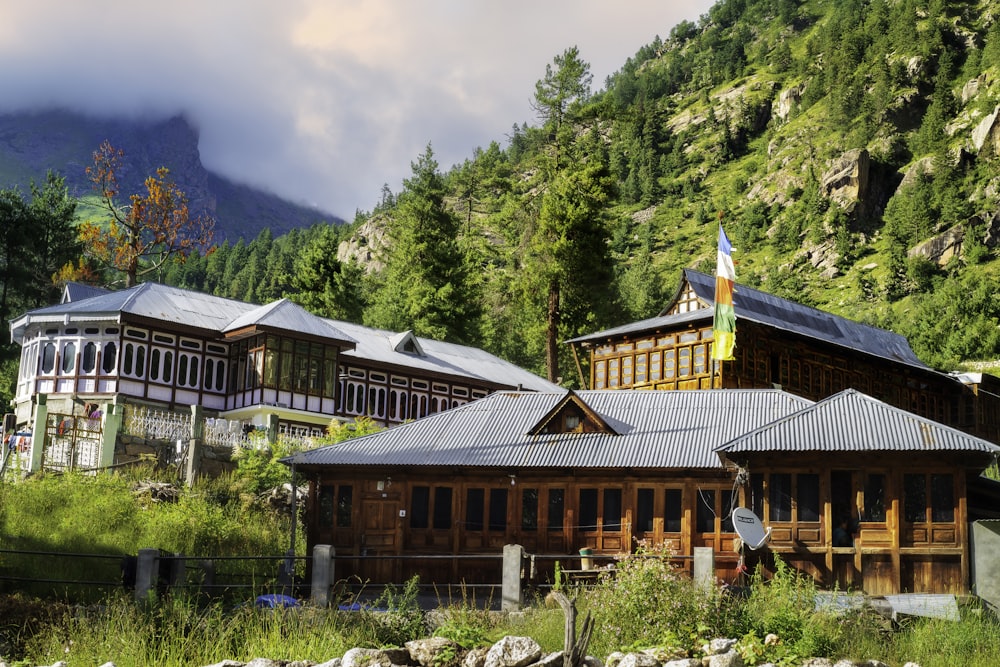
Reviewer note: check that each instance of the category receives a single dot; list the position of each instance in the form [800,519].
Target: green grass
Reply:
[646,605]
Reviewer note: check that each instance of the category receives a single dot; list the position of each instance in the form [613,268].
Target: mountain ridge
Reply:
[63,141]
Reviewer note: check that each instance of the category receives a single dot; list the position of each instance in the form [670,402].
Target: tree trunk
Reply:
[552,333]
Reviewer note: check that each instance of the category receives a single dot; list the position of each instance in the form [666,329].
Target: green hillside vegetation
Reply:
[690,130]
[832,140]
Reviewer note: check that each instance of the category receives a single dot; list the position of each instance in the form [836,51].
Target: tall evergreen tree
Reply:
[425,286]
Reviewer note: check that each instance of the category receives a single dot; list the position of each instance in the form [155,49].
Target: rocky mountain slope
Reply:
[62,141]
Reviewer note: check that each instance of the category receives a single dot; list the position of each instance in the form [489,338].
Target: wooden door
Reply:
[380,517]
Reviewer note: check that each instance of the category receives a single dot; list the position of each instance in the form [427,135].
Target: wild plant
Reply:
[650,602]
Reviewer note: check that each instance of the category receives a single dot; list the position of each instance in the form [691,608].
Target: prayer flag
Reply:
[724,324]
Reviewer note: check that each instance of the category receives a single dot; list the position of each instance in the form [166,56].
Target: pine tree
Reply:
[425,287]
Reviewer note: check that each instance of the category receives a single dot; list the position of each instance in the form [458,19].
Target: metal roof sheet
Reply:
[850,421]
[439,357]
[757,306]
[654,429]
[286,315]
[212,313]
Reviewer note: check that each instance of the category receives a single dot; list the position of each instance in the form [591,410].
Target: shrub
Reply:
[649,602]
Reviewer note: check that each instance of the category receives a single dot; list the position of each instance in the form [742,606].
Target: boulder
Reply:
[513,652]
[847,182]
[426,651]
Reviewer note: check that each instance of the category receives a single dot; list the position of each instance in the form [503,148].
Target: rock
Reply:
[720,645]
[551,660]
[728,659]
[513,652]
[263,662]
[818,662]
[614,658]
[941,248]
[787,100]
[591,661]
[335,662]
[638,660]
[475,657]
[227,663]
[426,651]
[683,662]
[846,182]
[365,657]
[985,135]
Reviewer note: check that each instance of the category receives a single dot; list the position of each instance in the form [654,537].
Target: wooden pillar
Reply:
[962,528]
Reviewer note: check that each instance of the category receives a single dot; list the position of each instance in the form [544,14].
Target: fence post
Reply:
[147,571]
[511,593]
[193,462]
[39,433]
[272,429]
[704,566]
[322,575]
[111,424]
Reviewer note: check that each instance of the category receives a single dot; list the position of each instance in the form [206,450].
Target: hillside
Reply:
[850,150]
[62,141]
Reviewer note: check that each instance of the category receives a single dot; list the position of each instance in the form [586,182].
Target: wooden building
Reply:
[171,348]
[780,343]
[557,472]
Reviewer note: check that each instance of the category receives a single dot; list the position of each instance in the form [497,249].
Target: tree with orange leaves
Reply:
[151,229]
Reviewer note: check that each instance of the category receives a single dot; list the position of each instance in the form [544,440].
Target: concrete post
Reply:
[704,566]
[272,429]
[111,423]
[147,571]
[511,591]
[39,434]
[208,576]
[323,568]
[192,464]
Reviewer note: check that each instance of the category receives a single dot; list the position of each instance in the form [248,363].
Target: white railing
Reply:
[156,424]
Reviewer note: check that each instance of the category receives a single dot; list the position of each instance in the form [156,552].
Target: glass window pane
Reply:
[498,509]
[419,505]
[529,509]
[475,505]
[706,511]
[672,511]
[326,506]
[780,497]
[875,498]
[807,497]
[612,509]
[915,498]
[556,506]
[442,508]
[942,498]
[345,505]
[588,509]
[644,511]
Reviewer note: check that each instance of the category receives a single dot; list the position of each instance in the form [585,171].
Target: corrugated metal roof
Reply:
[285,315]
[850,421]
[655,429]
[211,313]
[763,308]
[439,357]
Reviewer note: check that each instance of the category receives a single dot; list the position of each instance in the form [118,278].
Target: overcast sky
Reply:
[321,102]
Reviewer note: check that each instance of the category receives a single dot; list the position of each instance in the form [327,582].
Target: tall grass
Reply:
[102,520]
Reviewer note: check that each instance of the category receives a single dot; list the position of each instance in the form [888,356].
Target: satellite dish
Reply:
[749,528]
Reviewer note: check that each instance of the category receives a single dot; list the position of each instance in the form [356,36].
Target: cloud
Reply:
[320,101]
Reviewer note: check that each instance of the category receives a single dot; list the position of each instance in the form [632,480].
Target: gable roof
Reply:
[285,315]
[850,421]
[756,306]
[651,429]
[217,315]
[437,356]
